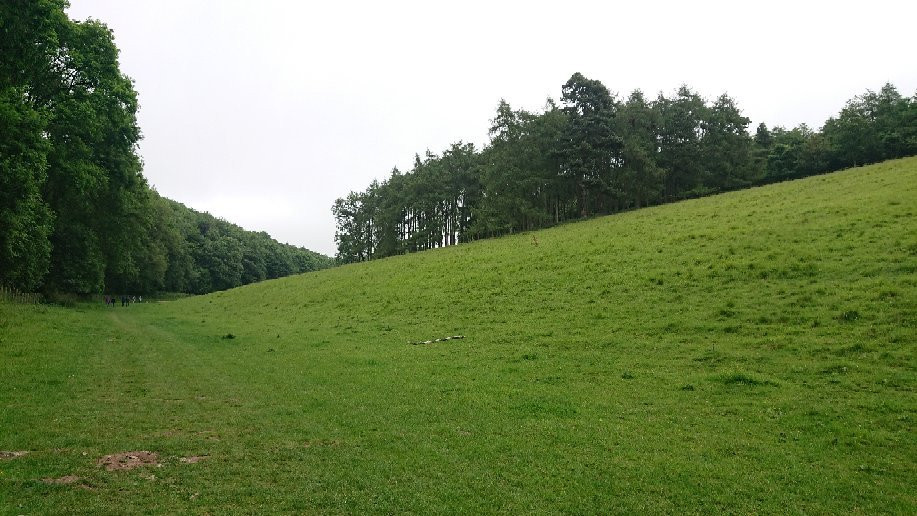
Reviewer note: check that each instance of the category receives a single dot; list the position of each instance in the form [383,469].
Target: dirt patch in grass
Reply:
[322,442]
[12,454]
[193,459]
[129,460]
[66,480]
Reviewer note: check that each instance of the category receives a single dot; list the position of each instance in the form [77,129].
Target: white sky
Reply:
[264,112]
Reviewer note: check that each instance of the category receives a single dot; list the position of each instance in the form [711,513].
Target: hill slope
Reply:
[749,352]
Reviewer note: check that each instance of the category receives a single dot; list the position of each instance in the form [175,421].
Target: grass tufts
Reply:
[537,410]
[741,379]
[849,316]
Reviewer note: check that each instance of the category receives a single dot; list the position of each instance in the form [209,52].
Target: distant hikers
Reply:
[125,300]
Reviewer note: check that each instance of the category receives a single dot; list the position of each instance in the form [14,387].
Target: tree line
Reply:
[199,253]
[597,154]
[76,213]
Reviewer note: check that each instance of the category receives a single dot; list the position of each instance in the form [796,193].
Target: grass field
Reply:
[749,352]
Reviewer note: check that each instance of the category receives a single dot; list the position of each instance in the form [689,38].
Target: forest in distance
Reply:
[76,213]
[78,216]
[595,154]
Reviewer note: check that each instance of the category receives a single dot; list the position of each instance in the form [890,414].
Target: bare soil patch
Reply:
[129,460]
[66,480]
[12,454]
[193,459]
[321,442]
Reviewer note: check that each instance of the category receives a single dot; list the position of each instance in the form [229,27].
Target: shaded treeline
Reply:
[597,154]
[76,214]
[203,253]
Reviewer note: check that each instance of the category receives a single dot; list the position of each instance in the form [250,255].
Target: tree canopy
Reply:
[76,213]
[597,154]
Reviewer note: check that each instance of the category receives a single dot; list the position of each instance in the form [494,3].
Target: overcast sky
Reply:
[265,112]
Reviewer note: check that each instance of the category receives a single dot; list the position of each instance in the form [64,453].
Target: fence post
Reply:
[12,295]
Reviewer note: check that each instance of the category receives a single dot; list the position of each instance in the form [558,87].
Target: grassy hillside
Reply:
[749,352]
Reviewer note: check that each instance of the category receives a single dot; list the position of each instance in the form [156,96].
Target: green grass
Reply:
[749,352]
